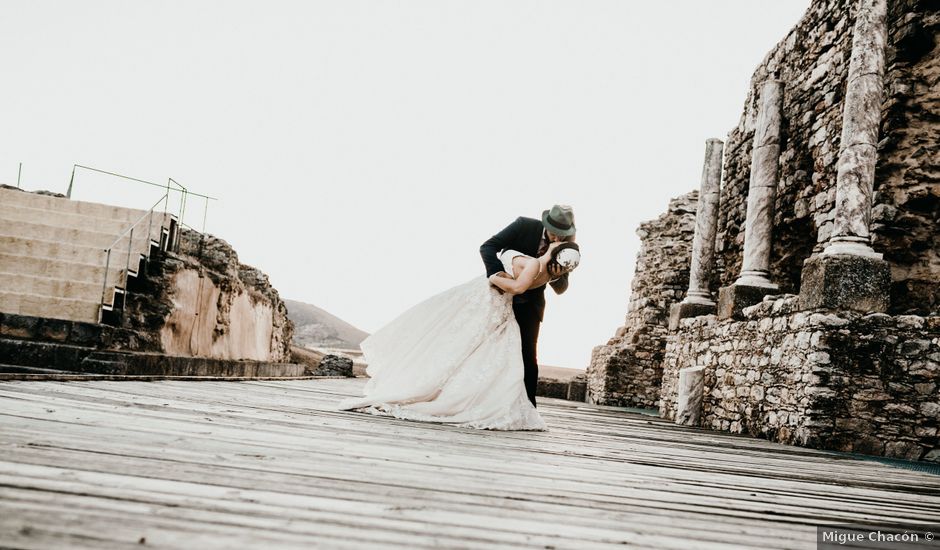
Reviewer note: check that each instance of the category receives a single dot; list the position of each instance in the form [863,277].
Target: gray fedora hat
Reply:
[559,220]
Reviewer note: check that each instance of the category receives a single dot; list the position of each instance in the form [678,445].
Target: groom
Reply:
[531,237]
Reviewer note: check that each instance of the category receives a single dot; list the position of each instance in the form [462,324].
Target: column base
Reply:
[684,310]
[732,299]
[844,281]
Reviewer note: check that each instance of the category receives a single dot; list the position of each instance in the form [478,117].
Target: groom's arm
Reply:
[496,244]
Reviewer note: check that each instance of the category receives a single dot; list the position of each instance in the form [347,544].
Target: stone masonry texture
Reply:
[628,369]
[812,61]
[828,378]
[843,381]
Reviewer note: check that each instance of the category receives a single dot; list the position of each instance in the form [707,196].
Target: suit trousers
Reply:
[529,319]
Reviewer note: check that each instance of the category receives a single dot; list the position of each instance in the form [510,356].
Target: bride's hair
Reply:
[569,260]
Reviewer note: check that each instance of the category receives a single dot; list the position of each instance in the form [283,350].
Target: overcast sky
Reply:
[363,150]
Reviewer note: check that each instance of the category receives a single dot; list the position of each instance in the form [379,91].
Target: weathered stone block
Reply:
[85,334]
[20,326]
[732,299]
[555,389]
[334,365]
[684,310]
[56,330]
[577,391]
[841,282]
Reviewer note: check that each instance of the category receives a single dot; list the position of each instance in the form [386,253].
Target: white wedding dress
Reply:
[455,358]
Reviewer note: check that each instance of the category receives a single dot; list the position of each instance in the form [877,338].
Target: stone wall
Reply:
[627,370]
[844,381]
[907,194]
[202,302]
[832,378]
[812,61]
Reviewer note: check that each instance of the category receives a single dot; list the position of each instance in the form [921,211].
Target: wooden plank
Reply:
[206,454]
[877,474]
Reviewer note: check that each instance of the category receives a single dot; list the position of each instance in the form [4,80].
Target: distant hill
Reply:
[564,374]
[318,328]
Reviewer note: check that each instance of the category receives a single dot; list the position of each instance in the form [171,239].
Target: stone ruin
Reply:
[628,370]
[796,296]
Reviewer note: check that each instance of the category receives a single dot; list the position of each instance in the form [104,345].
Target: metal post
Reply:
[127,266]
[205,214]
[19,173]
[149,229]
[183,204]
[107,266]
[68,194]
[167,201]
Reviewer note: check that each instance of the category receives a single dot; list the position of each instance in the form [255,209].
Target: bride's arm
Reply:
[521,283]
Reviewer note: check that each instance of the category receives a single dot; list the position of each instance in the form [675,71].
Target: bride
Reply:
[456,357]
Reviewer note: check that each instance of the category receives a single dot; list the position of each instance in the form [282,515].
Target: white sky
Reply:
[363,150]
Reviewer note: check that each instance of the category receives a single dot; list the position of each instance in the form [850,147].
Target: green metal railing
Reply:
[129,232]
[171,186]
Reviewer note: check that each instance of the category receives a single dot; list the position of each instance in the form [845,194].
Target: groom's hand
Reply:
[555,271]
[560,285]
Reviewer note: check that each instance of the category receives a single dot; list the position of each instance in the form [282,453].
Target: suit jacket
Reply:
[522,235]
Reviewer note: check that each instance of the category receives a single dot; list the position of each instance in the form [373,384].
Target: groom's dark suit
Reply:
[523,235]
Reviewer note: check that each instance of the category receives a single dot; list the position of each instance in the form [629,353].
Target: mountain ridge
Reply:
[316,327]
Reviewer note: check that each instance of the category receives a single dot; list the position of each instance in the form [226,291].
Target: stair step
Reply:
[20,283]
[85,237]
[14,245]
[26,214]
[76,333]
[25,246]
[18,369]
[53,307]
[156,364]
[79,359]
[44,355]
[60,204]
[52,267]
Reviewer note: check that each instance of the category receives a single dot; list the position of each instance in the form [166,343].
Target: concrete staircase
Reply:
[53,254]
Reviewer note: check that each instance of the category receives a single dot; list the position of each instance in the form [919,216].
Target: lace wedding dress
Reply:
[455,358]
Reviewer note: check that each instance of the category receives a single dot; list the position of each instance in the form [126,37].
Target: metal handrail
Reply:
[184,192]
[130,244]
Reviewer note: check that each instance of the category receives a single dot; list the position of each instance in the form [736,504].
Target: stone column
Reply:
[850,274]
[698,299]
[754,283]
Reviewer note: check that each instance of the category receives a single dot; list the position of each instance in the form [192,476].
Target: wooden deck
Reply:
[273,465]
